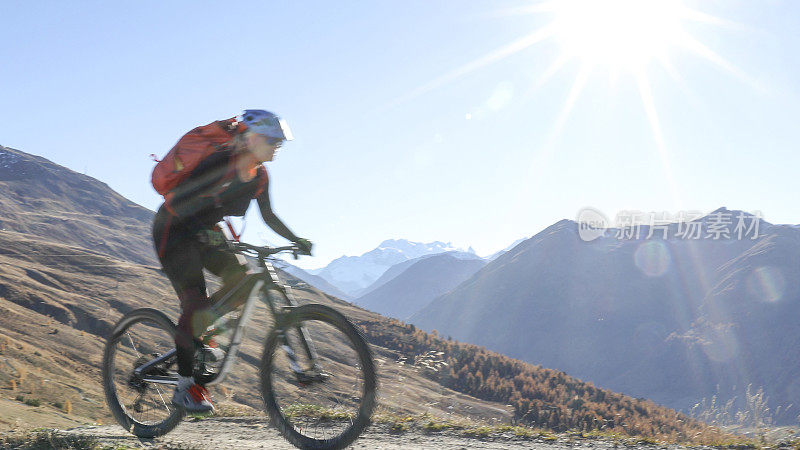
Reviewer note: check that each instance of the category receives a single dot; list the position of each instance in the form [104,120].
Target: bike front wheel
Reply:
[318,378]
[141,406]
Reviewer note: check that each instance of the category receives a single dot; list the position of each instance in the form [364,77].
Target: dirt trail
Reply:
[250,433]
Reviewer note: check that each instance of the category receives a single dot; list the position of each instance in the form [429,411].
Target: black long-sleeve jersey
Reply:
[214,190]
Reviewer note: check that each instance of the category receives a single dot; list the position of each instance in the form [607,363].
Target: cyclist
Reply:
[187,236]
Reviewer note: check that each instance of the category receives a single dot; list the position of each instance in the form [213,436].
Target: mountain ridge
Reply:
[43,198]
[624,313]
[426,278]
[353,274]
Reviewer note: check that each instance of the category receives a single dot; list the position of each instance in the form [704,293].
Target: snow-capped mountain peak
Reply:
[354,273]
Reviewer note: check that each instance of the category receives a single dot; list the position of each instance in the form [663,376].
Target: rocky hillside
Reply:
[41,199]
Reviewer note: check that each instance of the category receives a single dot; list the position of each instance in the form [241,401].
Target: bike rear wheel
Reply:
[326,406]
[141,407]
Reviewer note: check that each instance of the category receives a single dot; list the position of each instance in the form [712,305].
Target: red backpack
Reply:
[191,149]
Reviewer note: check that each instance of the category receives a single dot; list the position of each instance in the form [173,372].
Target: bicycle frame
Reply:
[263,279]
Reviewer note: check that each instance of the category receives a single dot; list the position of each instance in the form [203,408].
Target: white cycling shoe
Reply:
[213,354]
[192,397]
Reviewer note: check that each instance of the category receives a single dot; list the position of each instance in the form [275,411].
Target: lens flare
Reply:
[766,284]
[652,258]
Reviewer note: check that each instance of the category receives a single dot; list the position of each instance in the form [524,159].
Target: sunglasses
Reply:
[276,142]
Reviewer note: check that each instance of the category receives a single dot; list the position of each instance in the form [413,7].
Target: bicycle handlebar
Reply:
[264,252]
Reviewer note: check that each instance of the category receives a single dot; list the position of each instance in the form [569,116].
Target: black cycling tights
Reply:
[183,258]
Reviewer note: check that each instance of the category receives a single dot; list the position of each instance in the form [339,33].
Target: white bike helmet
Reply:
[267,124]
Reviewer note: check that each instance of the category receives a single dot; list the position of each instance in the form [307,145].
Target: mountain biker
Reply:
[187,236]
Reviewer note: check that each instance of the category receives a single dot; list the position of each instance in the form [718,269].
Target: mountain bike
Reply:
[317,375]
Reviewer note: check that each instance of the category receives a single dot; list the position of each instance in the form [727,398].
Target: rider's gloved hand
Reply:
[304,245]
[214,238]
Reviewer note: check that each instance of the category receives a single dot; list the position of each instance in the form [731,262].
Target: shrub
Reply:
[434,426]
[398,427]
[482,431]
[33,402]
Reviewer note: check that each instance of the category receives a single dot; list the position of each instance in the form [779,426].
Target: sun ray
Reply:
[689,42]
[536,8]
[494,56]
[680,81]
[709,19]
[666,63]
[541,159]
[552,70]
[574,92]
[652,117]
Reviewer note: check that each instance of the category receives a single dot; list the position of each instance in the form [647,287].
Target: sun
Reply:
[618,34]
[615,34]
[611,36]
[625,35]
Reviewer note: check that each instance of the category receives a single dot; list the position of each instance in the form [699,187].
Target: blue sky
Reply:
[382,149]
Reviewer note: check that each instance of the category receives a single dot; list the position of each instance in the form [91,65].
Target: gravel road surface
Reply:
[251,433]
